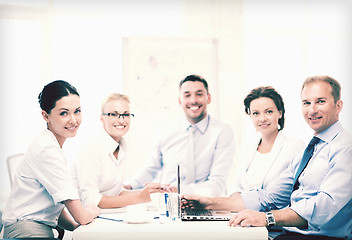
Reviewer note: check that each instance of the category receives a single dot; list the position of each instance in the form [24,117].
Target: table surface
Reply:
[163,228]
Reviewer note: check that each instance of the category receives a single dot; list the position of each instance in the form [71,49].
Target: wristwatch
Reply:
[270,219]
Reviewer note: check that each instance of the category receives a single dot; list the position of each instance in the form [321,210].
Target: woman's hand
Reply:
[152,188]
[94,210]
[196,202]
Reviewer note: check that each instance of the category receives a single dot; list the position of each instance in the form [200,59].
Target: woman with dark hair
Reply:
[260,162]
[43,185]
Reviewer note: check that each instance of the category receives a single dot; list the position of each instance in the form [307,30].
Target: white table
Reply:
[154,230]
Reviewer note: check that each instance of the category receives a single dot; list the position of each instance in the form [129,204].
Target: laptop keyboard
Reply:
[198,212]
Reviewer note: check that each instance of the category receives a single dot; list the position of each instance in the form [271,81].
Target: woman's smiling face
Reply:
[118,125]
[65,118]
[265,115]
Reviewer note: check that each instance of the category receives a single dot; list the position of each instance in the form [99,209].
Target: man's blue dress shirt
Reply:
[324,196]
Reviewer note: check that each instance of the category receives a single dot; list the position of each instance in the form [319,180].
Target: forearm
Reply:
[289,218]
[284,217]
[66,221]
[233,203]
[79,213]
[124,199]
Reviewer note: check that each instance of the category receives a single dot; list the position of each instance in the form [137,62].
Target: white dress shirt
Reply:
[42,182]
[214,153]
[256,170]
[98,171]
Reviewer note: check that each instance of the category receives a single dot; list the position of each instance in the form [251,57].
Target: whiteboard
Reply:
[152,70]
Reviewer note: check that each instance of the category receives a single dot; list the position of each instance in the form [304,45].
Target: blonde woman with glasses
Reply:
[101,160]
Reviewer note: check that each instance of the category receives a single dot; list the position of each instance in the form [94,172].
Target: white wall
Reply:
[287,41]
[268,42]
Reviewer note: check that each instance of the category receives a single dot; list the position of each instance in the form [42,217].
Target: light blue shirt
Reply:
[214,153]
[324,196]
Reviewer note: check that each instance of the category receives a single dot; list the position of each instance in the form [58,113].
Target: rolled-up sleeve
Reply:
[54,174]
[331,196]
[88,173]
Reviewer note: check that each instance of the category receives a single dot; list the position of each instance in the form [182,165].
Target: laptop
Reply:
[199,214]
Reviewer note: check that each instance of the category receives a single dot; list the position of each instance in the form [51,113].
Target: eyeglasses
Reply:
[118,115]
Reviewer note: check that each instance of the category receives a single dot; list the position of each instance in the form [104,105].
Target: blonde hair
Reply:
[114,97]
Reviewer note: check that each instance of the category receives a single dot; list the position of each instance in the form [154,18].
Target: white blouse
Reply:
[258,169]
[255,170]
[98,172]
[42,182]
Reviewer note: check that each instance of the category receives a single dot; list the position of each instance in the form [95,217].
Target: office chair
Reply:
[0,223]
[13,162]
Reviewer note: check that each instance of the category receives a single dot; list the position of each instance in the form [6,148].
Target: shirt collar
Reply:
[331,132]
[278,141]
[201,125]
[107,142]
[51,134]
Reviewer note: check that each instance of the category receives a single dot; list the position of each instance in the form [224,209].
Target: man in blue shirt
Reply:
[319,206]
[203,146]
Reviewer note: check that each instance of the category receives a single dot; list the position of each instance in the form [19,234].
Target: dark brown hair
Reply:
[268,92]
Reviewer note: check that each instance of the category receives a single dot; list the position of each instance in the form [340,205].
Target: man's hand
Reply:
[248,218]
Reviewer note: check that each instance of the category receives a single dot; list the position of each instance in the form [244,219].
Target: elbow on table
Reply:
[84,221]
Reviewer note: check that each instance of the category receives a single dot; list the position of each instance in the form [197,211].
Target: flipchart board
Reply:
[152,70]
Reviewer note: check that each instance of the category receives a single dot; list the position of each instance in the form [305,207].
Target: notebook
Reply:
[199,214]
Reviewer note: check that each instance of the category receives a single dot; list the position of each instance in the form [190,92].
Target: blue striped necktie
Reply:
[308,153]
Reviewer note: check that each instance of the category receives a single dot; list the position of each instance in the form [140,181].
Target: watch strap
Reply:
[270,219]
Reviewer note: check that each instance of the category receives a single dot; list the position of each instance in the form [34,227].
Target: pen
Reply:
[111,219]
[166,205]
[119,220]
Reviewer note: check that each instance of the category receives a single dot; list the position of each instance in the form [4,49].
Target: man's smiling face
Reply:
[318,106]
[194,99]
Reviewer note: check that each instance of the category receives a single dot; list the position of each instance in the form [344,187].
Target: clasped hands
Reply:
[159,188]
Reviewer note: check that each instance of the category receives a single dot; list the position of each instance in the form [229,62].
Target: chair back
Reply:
[13,163]
[0,223]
